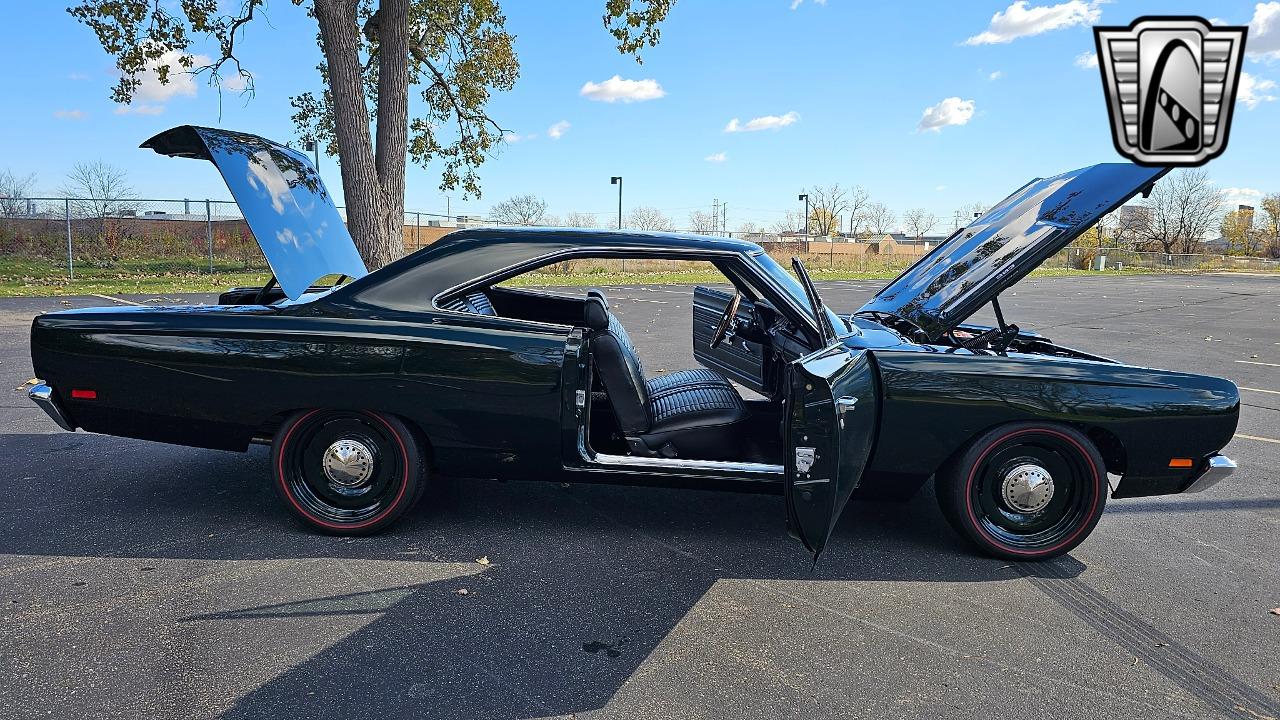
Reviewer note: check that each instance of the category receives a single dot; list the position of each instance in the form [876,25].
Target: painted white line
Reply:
[1255,362]
[1269,392]
[116,299]
[1259,439]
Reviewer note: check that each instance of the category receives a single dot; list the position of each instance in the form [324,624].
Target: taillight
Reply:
[81,394]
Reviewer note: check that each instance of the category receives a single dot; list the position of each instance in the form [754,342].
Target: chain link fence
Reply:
[79,238]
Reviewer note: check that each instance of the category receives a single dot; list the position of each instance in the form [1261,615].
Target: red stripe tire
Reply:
[1025,491]
[346,472]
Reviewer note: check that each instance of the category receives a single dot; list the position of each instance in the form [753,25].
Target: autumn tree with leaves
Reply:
[454,54]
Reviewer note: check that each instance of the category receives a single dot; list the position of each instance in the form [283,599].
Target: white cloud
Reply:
[796,3]
[616,88]
[557,131]
[1087,60]
[951,111]
[764,122]
[78,76]
[181,82]
[940,188]
[1264,31]
[996,75]
[142,109]
[235,82]
[1018,20]
[716,157]
[1253,91]
[515,137]
[69,114]
[1241,196]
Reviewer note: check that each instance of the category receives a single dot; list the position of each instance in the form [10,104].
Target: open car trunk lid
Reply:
[282,198]
[1010,240]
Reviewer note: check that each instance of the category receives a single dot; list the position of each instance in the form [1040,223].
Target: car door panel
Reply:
[831,424]
[739,359]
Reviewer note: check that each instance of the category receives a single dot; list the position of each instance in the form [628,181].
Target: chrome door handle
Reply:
[845,404]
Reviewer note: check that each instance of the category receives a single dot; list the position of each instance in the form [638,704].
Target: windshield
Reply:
[789,284]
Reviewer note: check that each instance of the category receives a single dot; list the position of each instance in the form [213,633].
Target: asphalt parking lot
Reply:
[141,580]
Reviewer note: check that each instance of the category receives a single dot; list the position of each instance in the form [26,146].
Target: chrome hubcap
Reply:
[1027,488]
[348,463]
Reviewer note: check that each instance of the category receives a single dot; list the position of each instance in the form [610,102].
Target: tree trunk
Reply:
[365,199]
[393,120]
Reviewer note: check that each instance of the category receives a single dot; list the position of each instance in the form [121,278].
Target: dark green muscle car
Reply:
[369,389]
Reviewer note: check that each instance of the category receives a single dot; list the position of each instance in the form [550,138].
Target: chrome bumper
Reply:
[1218,467]
[43,396]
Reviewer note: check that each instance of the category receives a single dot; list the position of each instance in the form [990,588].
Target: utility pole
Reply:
[805,198]
[958,217]
[715,214]
[724,218]
[617,180]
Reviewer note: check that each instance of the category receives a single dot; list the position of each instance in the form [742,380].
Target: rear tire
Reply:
[1025,491]
[347,472]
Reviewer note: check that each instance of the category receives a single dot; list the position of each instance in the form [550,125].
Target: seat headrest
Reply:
[596,314]
[595,293]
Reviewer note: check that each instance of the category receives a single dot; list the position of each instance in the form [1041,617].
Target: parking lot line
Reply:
[1255,362]
[1269,392]
[1259,439]
[115,299]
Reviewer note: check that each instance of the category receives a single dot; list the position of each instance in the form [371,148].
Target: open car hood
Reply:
[282,198]
[976,263]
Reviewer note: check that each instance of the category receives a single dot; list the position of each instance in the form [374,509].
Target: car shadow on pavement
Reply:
[582,583]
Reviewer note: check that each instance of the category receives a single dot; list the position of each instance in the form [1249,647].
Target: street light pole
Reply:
[617,180]
[805,198]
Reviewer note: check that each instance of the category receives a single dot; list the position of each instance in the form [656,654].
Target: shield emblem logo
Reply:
[1170,85]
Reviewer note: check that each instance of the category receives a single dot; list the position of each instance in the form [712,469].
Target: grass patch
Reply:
[40,278]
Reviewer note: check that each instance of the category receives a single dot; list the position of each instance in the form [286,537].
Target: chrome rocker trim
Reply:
[43,396]
[1218,467]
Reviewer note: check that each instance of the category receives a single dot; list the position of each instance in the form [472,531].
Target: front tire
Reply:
[346,472]
[1025,491]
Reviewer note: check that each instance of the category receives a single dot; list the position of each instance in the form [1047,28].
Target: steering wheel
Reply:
[726,321]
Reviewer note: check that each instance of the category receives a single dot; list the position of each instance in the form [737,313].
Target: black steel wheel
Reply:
[346,472]
[1025,491]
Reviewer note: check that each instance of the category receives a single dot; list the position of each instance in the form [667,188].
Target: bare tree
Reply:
[918,222]
[825,206]
[98,190]
[792,221]
[14,191]
[878,218]
[649,218]
[520,210]
[1181,209]
[581,220]
[703,223]
[749,229]
[857,203]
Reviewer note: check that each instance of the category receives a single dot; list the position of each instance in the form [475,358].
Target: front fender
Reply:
[935,402]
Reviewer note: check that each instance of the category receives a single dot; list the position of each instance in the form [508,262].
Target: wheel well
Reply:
[266,430]
[1109,447]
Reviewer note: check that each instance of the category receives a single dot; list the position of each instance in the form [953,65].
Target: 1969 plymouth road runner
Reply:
[370,385]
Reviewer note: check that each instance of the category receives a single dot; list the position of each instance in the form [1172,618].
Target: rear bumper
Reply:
[1216,467]
[44,396]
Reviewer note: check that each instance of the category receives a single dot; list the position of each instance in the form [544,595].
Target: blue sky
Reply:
[840,87]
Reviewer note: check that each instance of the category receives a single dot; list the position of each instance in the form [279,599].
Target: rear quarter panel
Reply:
[486,398]
[936,402]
